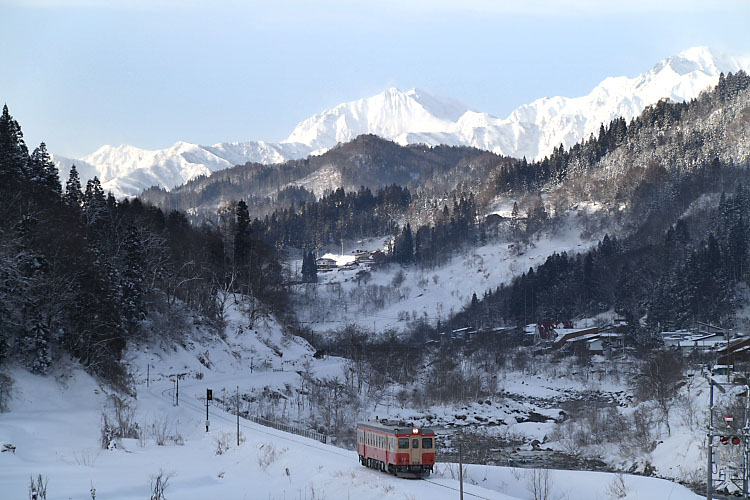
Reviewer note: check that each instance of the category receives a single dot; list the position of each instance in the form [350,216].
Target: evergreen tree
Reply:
[35,348]
[737,249]
[309,268]
[94,203]
[131,282]
[73,195]
[42,170]
[242,234]
[403,247]
[14,155]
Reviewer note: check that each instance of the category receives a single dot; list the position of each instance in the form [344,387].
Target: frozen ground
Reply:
[55,429]
[55,424]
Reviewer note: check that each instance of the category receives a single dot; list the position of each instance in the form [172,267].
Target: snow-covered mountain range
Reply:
[532,130]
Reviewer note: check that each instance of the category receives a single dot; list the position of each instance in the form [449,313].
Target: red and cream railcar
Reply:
[405,451]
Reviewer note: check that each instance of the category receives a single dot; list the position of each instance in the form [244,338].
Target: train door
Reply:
[415,449]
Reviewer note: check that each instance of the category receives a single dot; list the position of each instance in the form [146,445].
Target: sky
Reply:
[79,74]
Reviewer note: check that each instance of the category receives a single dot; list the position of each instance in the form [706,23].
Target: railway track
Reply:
[277,434]
[455,489]
[245,424]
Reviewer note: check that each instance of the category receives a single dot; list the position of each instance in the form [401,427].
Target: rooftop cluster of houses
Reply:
[469,334]
[726,345]
[563,335]
[729,346]
[363,259]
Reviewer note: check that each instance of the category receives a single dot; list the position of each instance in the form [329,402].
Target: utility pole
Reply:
[710,434]
[176,380]
[726,336]
[709,468]
[148,374]
[238,415]
[460,471]
[744,443]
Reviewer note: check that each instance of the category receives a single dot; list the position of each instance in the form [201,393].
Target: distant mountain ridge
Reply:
[415,116]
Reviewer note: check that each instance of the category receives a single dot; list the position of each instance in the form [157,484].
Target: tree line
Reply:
[697,271]
[84,274]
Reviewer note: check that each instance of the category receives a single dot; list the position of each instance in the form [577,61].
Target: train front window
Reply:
[427,443]
[415,443]
[403,443]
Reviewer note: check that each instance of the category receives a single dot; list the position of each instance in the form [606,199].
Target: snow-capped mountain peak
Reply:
[417,116]
[387,114]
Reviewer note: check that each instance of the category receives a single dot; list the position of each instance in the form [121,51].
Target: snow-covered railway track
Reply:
[245,424]
[455,489]
[277,434]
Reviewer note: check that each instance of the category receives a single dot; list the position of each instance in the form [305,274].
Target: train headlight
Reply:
[415,430]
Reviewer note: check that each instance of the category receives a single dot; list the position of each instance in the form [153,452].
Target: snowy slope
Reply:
[415,116]
[55,421]
[340,298]
[55,430]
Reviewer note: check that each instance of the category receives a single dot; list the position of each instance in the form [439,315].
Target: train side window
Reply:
[427,443]
[403,443]
[415,443]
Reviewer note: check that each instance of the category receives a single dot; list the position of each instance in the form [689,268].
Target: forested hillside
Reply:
[675,179]
[82,274]
[368,161]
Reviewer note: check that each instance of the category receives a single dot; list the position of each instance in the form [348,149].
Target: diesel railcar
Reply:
[396,447]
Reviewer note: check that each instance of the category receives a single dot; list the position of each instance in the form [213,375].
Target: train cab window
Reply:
[415,443]
[403,443]
[427,443]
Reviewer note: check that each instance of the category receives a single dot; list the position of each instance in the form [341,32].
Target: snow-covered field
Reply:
[55,425]
[55,428]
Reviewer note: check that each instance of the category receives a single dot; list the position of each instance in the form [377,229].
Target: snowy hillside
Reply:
[54,429]
[393,296]
[415,116]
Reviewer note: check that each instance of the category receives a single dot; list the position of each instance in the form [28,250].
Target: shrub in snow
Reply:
[161,431]
[540,484]
[617,488]
[118,421]
[223,443]
[38,488]
[159,485]
[267,454]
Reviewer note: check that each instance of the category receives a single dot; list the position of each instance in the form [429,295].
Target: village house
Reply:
[325,264]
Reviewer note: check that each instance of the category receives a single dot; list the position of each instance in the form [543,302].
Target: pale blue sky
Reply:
[80,74]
